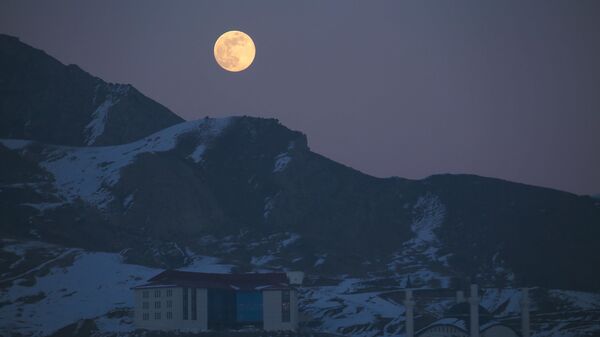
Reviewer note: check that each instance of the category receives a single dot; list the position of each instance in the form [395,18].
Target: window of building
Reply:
[157,315]
[194,307]
[145,294]
[169,315]
[146,316]
[145,305]
[185,303]
[169,292]
[157,305]
[285,306]
[157,293]
[169,304]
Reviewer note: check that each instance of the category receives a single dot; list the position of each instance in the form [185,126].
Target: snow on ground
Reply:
[260,261]
[269,205]
[196,156]
[96,126]
[281,162]
[44,206]
[283,159]
[429,214]
[340,308]
[209,129]
[320,260]
[89,172]
[493,298]
[420,253]
[580,299]
[207,264]
[293,237]
[93,285]
[128,201]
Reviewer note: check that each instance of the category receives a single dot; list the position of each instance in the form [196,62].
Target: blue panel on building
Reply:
[249,305]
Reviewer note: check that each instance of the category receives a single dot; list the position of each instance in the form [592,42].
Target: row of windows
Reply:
[157,304]
[157,315]
[157,293]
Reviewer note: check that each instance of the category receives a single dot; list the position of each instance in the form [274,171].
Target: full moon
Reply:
[234,51]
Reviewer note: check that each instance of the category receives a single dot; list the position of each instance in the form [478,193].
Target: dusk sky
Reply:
[506,89]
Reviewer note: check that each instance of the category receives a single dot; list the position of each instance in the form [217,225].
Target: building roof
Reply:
[248,281]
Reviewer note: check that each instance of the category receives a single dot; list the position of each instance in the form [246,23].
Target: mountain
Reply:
[44,100]
[83,223]
[223,176]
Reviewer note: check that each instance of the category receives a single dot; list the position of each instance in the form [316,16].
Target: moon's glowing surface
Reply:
[234,51]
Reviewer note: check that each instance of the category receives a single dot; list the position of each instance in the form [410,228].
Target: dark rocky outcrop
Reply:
[42,99]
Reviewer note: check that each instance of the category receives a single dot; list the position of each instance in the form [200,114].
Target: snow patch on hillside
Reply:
[341,309]
[44,206]
[96,126]
[281,162]
[207,264]
[508,299]
[283,159]
[579,299]
[420,253]
[196,156]
[89,172]
[209,130]
[15,144]
[92,285]
[429,214]
[269,205]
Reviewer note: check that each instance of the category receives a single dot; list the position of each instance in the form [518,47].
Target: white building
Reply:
[189,301]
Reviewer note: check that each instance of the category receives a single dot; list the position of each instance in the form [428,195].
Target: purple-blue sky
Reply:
[508,89]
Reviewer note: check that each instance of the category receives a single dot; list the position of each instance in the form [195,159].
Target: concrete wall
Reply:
[176,309]
[272,315]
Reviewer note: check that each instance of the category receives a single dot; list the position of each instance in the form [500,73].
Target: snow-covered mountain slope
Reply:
[241,174]
[48,287]
[90,172]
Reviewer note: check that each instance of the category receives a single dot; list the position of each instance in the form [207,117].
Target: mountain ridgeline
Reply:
[44,100]
[160,186]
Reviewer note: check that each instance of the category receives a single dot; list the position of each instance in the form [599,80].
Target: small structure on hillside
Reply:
[191,301]
[466,319]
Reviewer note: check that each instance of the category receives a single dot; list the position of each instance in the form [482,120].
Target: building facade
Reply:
[189,301]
